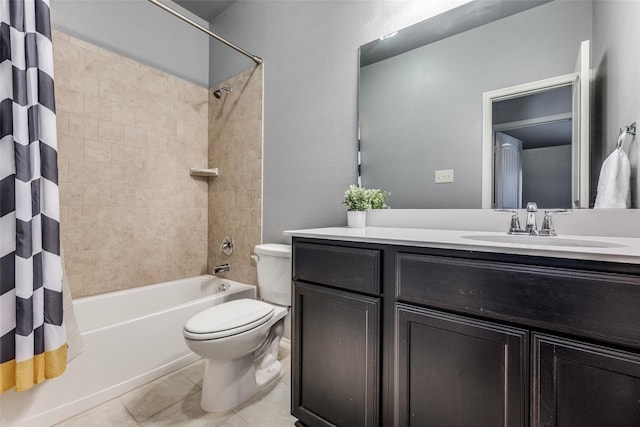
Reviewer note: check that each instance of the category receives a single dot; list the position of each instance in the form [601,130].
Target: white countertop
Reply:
[626,250]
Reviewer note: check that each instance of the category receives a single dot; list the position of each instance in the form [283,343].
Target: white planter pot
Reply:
[356,219]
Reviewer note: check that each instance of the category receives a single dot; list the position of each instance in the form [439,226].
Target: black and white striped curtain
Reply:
[32,335]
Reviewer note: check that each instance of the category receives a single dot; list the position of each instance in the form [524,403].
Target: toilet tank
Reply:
[274,273]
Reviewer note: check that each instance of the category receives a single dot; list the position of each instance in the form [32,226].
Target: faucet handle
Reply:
[547,225]
[515,228]
[532,207]
[227,246]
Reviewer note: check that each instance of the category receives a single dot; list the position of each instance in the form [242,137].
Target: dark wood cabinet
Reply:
[336,363]
[458,372]
[396,336]
[579,384]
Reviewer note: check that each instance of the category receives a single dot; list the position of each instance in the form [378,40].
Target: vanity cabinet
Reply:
[446,337]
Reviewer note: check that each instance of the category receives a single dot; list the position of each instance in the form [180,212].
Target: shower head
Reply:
[218,93]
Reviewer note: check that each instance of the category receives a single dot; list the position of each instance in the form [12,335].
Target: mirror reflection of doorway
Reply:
[532,149]
[551,112]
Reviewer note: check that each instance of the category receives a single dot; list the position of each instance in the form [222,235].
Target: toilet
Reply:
[239,339]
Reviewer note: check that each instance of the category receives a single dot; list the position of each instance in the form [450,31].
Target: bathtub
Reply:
[131,337]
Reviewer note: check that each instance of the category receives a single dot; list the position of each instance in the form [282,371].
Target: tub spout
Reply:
[220,268]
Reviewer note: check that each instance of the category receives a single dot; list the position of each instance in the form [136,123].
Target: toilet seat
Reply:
[229,318]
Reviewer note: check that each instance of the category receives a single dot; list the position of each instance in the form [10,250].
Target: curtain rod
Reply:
[254,58]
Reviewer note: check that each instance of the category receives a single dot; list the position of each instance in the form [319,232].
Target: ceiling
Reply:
[205,9]
[543,135]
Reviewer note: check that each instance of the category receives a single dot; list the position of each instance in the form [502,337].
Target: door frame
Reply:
[571,79]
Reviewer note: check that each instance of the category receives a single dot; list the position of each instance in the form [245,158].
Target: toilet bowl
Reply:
[239,339]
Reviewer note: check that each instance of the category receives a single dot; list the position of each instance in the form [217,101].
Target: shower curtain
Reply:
[32,334]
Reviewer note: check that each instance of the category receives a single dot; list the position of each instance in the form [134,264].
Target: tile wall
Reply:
[127,135]
[235,148]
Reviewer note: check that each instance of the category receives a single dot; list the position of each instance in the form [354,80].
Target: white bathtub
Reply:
[131,337]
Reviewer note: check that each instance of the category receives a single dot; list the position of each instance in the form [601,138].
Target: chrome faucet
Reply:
[222,267]
[531,227]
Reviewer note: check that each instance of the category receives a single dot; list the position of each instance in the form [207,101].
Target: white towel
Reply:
[613,184]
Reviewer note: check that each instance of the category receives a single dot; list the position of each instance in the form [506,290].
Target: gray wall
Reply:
[422,111]
[616,86]
[310,53]
[141,31]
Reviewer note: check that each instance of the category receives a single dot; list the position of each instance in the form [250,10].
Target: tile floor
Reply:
[174,400]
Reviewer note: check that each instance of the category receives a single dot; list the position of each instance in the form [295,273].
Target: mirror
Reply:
[421,100]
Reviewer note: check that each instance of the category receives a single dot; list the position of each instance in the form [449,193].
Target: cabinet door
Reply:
[456,371]
[577,384]
[336,363]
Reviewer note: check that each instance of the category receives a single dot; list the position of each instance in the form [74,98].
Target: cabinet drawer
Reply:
[349,268]
[598,305]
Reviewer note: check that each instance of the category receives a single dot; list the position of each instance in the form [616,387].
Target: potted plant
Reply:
[378,198]
[358,200]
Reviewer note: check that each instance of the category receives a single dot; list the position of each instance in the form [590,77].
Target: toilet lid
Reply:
[228,319]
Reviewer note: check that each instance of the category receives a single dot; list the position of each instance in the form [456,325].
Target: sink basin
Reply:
[544,241]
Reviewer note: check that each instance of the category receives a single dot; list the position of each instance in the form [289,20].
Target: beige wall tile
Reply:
[125,73]
[157,140]
[235,147]
[67,53]
[135,137]
[63,170]
[128,134]
[70,147]
[110,132]
[68,99]
[79,170]
[62,122]
[130,216]
[94,108]
[82,126]
[97,151]
[124,113]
